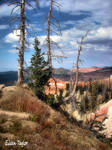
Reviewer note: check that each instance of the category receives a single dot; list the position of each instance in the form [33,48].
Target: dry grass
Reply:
[3,118]
[22,101]
[47,129]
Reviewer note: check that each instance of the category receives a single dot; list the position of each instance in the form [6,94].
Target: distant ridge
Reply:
[86,70]
[95,73]
[8,77]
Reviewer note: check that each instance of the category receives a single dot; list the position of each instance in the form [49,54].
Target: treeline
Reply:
[91,94]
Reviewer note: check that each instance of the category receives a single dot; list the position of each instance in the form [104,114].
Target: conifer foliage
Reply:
[39,72]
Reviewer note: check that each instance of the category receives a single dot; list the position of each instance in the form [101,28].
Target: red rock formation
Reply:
[86,70]
[60,85]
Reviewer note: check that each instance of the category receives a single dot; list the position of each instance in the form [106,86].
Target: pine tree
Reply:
[39,72]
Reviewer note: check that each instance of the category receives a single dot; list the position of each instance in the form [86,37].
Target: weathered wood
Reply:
[77,69]
[22,40]
[21,4]
[48,36]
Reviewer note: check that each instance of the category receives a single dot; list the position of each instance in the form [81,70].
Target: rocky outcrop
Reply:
[104,113]
[108,123]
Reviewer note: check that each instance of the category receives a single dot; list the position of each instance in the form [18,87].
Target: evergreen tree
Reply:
[39,72]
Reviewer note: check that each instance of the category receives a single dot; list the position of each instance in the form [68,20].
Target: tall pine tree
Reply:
[39,72]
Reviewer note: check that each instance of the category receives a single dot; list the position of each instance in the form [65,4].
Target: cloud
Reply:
[13,51]
[101,39]
[12,37]
[3,27]
[97,40]
[67,43]
[5,10]
[34,28]
[44,3]
[102,32]
[100,10]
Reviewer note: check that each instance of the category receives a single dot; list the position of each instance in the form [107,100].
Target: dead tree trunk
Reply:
[22,39]
[49,43]
[77,70]
[48,36]
[21,4]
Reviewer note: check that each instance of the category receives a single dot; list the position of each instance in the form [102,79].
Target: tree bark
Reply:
[22,39]
[49,43]
[48,36]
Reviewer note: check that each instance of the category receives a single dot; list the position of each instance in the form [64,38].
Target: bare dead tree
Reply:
[71,79]
[21,4]
[77,69]
[52,23]
[48,35]
[22,39]
[49,41]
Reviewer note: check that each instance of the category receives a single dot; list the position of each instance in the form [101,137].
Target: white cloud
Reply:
[99,10]
[5,10]
[12,37]
[42,39]
[13,51]
[67,42]
[70,40]
[88,5]
[101,33]
[3,27]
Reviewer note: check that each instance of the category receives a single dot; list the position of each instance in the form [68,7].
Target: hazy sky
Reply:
[75,17]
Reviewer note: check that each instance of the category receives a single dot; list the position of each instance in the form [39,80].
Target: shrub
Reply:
[16,125]
[2,129]
[51,100]
[35,118]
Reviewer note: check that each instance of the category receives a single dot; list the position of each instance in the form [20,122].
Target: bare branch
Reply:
[13,9]
[18,3]
[59,56]
[57,26]
[55,43]
[57,3]
[29,5]
[77,69]
[54,32]
[14,19]
[55,19]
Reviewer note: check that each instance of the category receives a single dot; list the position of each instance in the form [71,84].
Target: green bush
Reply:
[35,118]
[39,72]
[51,100]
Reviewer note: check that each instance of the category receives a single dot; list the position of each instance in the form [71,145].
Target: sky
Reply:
[75,17]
